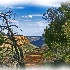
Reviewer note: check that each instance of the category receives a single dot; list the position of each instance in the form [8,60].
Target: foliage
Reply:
[6,56]
[57,33]
[1,40]
[6,17]
[28,47]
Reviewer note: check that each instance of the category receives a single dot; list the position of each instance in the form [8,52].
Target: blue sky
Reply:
[29,14]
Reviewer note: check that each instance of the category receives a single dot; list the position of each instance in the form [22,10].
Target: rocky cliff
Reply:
[20,41]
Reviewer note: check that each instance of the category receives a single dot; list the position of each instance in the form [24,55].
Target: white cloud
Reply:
[14,21]
[30,16]
[17,7]
[54,3]
[27,16]
[29,29]
[22,16]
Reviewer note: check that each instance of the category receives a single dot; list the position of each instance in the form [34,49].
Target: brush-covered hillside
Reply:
[6,52]
[22,41]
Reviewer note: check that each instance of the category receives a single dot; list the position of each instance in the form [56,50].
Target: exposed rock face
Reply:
[20,41]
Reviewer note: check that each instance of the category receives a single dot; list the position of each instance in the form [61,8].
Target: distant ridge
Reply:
[36,40]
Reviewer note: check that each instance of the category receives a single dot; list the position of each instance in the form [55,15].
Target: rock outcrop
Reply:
[20,41]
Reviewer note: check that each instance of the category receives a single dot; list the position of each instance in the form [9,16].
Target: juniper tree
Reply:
[6,17]
[56,34]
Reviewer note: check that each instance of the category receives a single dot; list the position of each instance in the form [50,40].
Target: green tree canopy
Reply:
[57,33]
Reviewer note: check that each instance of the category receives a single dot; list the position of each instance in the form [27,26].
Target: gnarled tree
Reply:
[7,17]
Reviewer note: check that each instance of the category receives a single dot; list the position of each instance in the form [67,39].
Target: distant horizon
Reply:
[22,35]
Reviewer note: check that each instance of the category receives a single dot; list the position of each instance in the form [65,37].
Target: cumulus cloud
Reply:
[54,3]
[30,16]
[27,16]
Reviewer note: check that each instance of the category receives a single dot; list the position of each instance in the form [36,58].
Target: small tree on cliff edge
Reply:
[6,25]
[57,33]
